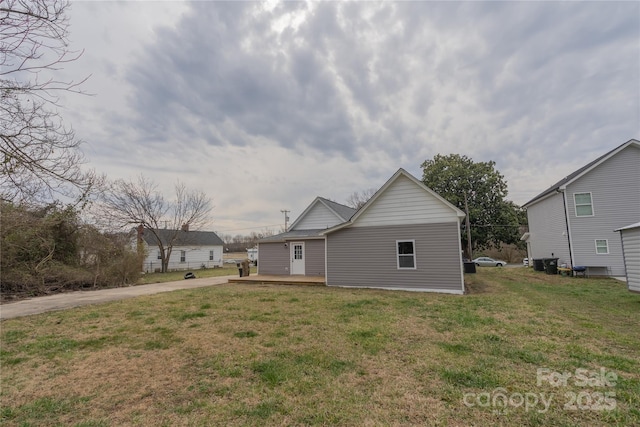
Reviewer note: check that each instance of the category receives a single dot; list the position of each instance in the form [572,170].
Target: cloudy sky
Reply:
[267,105]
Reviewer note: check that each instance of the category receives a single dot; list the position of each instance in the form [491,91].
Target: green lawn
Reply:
[523,348]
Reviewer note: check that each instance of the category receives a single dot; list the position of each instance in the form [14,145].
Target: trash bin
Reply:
[538,264]
[246,268]
[551,265]
[469,267]
[239,269]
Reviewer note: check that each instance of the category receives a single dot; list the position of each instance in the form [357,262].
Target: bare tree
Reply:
[139,203]
[357,199]
[40,157]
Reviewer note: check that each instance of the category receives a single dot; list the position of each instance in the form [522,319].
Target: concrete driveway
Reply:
[75,299]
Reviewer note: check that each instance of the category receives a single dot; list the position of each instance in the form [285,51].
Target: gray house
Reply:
[405,237]
[301,250]
[630,238]
[575,219]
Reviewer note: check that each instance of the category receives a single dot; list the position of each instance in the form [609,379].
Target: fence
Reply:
[156,267]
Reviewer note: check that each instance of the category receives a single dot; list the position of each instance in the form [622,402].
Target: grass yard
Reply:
[285,355]
[172,276]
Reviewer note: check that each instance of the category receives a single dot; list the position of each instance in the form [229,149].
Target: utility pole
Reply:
[286,218]
[468,227]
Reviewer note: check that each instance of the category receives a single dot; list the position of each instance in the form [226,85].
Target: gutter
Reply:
[566,224]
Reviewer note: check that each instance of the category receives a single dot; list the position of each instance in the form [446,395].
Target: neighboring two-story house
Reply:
[575,219]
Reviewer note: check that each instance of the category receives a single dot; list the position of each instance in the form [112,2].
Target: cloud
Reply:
[326,98]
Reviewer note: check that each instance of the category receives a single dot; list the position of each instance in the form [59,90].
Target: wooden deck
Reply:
[280,280]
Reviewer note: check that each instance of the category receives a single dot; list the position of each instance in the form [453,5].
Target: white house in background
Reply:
[575,219]
[191,249]
[252,254]
[406,237]
[630,237]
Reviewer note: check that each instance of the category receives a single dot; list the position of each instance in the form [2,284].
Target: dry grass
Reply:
[172,276]
[270,355]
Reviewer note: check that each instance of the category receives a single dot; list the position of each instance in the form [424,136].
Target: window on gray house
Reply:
[584,204]
[159,255]
[406,254]
[183,256]
[210,255]
[602,247]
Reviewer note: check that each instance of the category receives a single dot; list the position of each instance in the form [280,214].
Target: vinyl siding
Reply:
[314,257]
[318,217]
[366,257]
[195,258]
[404,202]
[631,248]
[615,194]
[546,228]
[274,259]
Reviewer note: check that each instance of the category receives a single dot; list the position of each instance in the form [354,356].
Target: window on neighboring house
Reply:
[183,256]
[159,255]
[406,254]
[584,204]
[210,255]
[602,247]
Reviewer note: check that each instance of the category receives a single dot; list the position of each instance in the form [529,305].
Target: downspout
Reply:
[566,223]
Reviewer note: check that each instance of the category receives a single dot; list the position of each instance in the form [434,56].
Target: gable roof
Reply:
[629,227]
[184,238]
[562,184]
[292,235]
[400,173]
[342,212]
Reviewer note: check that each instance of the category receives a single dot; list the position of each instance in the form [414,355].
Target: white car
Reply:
[484,261]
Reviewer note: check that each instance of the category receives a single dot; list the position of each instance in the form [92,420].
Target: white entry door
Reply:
[297,258]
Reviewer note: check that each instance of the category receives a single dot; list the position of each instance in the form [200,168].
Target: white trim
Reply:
[606,241]
[308,209]
[604,159]
[292,246]
[440,291]
[415,261]
[552,193]
[629,227]
[575,205]
[371,201]
[563,187]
